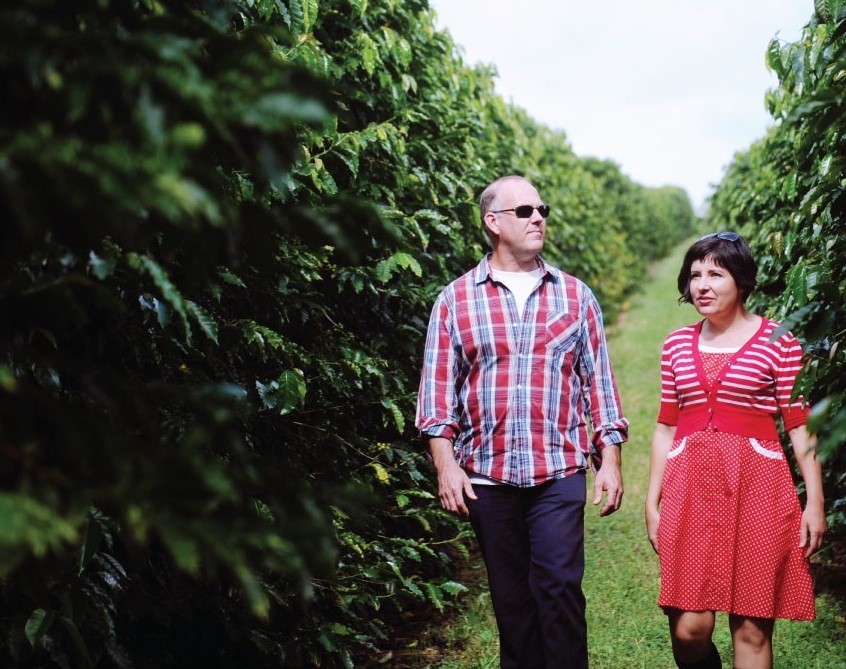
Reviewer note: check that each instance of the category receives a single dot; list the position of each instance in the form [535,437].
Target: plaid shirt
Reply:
[514,394]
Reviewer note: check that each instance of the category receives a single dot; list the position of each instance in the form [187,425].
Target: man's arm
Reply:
[436,399]
[602,399]
[436,409]
[602,404]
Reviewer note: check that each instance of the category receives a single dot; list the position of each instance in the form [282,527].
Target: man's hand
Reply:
[453,483]
[609,479]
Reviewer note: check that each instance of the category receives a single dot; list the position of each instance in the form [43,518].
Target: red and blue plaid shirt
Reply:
[515,394]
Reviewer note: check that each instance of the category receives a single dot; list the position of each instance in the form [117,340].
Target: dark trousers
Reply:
[532,541]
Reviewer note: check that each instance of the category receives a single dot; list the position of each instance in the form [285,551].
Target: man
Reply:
[515,363]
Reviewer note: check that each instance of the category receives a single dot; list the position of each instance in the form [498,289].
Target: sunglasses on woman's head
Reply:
[525,210]
[727,236]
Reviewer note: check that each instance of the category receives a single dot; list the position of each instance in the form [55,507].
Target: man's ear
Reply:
[491,224]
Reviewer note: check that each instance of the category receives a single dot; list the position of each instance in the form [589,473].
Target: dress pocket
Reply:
[760,449]
[677,450]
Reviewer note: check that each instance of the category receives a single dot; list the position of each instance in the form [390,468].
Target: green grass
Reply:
[625,626]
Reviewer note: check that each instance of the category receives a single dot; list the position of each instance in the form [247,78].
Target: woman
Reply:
[721,509]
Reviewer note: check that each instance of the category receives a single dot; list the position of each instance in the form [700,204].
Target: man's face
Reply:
[520,237]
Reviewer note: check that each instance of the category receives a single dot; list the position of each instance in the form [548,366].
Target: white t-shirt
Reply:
[521,285]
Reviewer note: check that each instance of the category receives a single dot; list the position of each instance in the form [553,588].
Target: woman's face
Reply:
[712,288]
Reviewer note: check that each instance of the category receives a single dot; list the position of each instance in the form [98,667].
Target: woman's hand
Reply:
[662,441]
[653,518]
[813,528]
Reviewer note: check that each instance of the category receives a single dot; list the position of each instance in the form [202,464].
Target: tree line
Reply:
[787,194]
[224,223]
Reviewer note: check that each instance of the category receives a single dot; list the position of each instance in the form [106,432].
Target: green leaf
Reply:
[256,594]
[434,595]
[822,11]
[29,529]
[162,281]
[182,547]
[369,53]
[820,415]
[263,338]
[774,59]
[276,111]
[399,419]
[788,188]
[792,321]
[230,278]
[38,625]
[186,197]
[381,472]
[204,319]
[285,393]
[797,284]
[342,630]
[91,541]
[8,382]
[328,182]
[825,165]
[349,156]
[386,268]
[453,588]
[292,390]
[360,7]
[102,267]
[309,14]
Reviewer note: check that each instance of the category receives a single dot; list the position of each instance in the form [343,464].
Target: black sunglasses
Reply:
[728,236]
[525,210]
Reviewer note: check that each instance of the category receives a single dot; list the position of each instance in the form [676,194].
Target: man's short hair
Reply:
[488,196]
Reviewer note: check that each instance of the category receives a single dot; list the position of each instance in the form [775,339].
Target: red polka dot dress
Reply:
[728,536]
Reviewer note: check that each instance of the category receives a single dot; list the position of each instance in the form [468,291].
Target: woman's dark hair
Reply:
[728,250]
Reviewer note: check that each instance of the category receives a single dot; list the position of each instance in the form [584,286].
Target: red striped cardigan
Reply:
[752,388]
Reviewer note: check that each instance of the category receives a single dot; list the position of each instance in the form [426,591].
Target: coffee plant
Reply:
[787,193]
[224,224]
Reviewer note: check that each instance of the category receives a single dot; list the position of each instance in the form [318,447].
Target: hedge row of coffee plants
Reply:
[787,193]
[224,223]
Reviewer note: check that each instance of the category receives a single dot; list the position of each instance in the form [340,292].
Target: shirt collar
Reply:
[484,272]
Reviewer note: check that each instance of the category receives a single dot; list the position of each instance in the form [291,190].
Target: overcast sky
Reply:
[667,89]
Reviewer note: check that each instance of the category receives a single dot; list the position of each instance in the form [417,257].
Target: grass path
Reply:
[626,628]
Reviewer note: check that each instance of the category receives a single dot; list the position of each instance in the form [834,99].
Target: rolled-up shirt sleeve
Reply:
[602,399]
[437,397]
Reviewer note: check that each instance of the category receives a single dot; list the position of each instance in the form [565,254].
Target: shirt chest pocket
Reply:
[563,332]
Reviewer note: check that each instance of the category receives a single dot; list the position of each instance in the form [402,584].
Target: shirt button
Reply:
[519,386]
